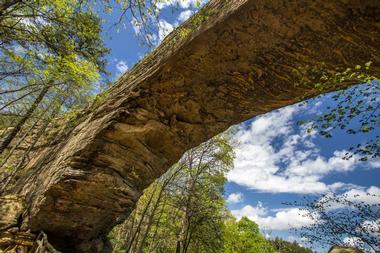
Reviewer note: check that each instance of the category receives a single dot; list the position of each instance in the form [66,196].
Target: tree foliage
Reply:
[282,246]
[51,56]
[343,219]
[355,110]
[185,211]
[243,236]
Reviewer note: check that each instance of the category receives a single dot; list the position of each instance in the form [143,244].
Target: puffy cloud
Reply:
[372,233]
[374,163]
[373,228]
[235,197]
[286,218]
[301,241]
[164,3]
[272,157]
[138,29]
[251,212]
[185,15]
[181,3]
[136,25]
[164,28]
[121,67]
[369,196]
[352,241]
[283,219]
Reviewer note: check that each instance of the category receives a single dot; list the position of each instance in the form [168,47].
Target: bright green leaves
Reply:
[51,58]
[51,41]
[247,227]
[322,78]
[198,4]
[283,246]
[190,213]
[243,236]
[354,110]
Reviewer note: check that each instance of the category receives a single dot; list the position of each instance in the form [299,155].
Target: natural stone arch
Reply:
[342,249]
[232,61]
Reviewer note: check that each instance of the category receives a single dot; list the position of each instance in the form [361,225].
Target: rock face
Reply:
[11,208]
[341,249]
[232,61]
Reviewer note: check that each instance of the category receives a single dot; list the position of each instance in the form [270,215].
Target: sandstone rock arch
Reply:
[232,61]
[342,249]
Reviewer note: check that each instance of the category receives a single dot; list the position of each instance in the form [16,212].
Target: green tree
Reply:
[337,218]
[51,56]
[354,110]
[51,59]
[282,246]
[184,211]
[243,236]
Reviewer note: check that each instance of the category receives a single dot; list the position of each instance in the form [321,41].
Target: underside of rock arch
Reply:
[230,62]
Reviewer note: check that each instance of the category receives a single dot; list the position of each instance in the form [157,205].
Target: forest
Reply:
[185,211]
[144,158]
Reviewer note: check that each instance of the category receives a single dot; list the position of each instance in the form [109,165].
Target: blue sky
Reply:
[277,161]
[127,48]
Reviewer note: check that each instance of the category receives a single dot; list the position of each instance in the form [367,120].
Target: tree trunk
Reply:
[142,217]
[181,241]
[12,134]
[150,220]
[154,242]
[195,171]
[246,58]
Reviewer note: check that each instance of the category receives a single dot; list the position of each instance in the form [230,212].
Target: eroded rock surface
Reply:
[11,208]
[341,249]
[246,58]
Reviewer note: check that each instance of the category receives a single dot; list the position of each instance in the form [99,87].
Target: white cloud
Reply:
[352,242]
[235,197]
[136,25]
[370,196]
[292,238]
[181,3]
[164,3]
[272,157]
[301,241]
[372,234]
[283,219]
[293,217]
[190,3]
[185,15]
[374,163]
[139,31]
[164,29]
[373,229]
[250,212]
[121,67]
